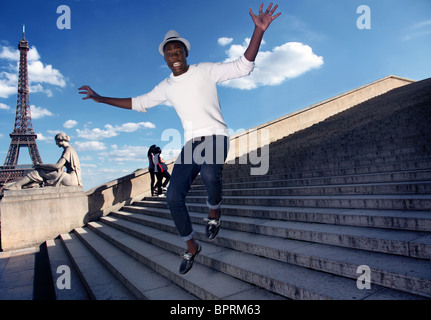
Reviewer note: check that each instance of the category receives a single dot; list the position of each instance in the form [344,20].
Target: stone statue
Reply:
[53,174]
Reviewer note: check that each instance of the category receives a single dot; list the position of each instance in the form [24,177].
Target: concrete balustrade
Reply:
[241,143]
[30,217]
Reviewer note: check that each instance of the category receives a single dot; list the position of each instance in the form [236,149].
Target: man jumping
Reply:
[191,89]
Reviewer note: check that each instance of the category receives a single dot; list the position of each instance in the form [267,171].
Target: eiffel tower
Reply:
[23,135]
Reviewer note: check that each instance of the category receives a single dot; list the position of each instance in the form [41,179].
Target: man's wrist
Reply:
[259,31]
[100,99]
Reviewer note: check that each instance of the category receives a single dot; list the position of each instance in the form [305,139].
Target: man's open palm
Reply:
[264,19]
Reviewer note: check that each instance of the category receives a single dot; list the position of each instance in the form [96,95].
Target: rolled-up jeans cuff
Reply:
[214,207]
[189,237]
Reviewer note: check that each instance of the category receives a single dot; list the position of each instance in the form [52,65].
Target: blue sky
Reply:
[312,52]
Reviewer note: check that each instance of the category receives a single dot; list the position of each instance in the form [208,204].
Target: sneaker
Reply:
[212,228]
[188,260]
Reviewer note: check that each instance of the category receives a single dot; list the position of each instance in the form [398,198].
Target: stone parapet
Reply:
[247,141]
[31,216]
[115,194]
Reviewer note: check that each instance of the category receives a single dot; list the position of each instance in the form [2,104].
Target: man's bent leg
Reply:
[211,175]
[182,178]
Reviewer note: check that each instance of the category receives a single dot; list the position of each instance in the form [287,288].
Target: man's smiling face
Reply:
[175,57]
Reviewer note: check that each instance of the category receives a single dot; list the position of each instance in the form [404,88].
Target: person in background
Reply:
[161,170]
[150,155]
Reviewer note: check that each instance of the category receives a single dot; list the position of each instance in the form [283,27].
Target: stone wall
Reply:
[30,217]
[254,138]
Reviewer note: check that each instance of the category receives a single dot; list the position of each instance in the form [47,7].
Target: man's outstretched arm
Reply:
[261,23]
[125,103]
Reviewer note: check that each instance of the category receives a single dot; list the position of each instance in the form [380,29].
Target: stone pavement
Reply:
[17,274]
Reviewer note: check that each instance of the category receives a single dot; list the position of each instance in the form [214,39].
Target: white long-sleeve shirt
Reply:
[194,96]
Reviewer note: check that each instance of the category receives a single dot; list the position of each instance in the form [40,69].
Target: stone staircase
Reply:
[349,194]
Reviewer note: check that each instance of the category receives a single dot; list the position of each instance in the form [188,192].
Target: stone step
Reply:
[354,151]
[369,140]
[241,172]
[402,273]
[320,167]
[282,181]
[140,280]
[318,163]
[203,282]
[382,202]
[384,134]
[404,243]
[348,128]
[387,219]
[351,191]
[99,282]
[388,128]
[281,277]
[312,178]
[375,142]
[393,188]
[67,283]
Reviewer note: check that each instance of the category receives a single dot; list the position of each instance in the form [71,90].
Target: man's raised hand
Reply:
[264,19]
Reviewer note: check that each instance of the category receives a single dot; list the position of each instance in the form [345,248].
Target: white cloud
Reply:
[4,106]
[42,137]
[287,61]
[87,165]
[8,84]
[418,30]
[39,112]
[95,134]
[39,74]
[53,132]
[32,54]
[224,41]
[126,154]
[87,158]
[130,126]
[9,54]
[70,124]
[89,146]
[112,131]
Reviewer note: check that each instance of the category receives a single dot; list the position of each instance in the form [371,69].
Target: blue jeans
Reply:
[206,156]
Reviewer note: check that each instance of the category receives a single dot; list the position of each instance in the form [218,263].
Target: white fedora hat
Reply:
[172,35]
